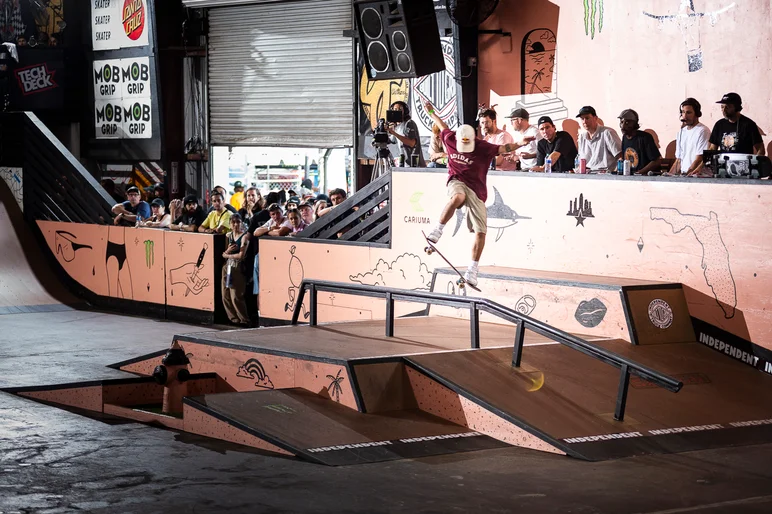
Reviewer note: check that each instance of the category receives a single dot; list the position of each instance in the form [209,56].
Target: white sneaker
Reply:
[434,235]
[470,277]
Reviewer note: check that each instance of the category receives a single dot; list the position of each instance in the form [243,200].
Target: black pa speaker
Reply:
[399,38]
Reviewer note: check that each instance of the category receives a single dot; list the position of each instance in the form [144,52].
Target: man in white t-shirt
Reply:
[598,144]
[278,225]
[691,140]
[495,136]
[522,129]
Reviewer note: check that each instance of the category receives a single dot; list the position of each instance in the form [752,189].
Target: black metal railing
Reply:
[56,186]
[365,216]
[627,367]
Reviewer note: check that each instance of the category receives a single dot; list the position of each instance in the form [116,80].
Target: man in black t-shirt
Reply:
[735,133]
[557,145]
[187,215]
[638,146]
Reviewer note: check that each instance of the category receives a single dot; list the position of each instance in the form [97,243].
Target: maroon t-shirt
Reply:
[470,168]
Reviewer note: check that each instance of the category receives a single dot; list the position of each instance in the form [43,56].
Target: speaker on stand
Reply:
[399,39]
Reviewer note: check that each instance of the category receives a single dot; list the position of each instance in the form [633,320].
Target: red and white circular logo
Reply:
[133,18]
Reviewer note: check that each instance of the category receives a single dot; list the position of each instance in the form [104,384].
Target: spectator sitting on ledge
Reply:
[127,212]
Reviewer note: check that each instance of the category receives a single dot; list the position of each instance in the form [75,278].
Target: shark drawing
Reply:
[500,215]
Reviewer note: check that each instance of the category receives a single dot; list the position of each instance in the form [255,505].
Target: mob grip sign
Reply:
[122,98]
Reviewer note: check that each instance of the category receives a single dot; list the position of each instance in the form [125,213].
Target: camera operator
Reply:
[406,131]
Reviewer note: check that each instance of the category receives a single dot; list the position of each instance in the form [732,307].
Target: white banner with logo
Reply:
[122,99]
[118,24]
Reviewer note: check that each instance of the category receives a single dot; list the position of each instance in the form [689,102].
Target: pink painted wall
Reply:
[636,61]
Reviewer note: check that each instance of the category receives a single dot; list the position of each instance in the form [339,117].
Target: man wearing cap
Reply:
[468,163]
[306,212]
[187,215]
[692,139]
[237,199]
[638,146]
[523,129]
[495,136]
[127,212]
[557,145]
[218,221]
[599,145]
[735,133]
[160,218]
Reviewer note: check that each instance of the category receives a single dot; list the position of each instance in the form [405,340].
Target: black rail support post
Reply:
[312,305]
[517,352]
[389,315]
[474,322]
[299,303]
[624,382]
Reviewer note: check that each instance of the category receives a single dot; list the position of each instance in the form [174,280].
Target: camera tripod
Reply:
[382,164]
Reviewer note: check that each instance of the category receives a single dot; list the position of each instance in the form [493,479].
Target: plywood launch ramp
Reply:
[27,284]
[320,430]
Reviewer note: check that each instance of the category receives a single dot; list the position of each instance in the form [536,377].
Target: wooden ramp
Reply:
[567,399]
[320,430]
[27,284]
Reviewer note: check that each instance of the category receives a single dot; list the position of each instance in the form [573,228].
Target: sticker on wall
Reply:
[660,314]
[526,305]
[715,255]
[335,389]
[404,272]
[590,313]
[581,209]
[500,216]
[688,22]
[254,370]
[296,276]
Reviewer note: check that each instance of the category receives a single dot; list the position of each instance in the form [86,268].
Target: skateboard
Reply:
[430,249]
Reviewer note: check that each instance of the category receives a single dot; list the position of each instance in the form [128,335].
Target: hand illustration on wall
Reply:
[188,275]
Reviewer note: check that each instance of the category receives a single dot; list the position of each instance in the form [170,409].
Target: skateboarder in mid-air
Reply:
[468,161]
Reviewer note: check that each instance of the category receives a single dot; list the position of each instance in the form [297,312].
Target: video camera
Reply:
[380,134]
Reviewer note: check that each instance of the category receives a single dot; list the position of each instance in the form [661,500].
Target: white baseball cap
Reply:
[465,137]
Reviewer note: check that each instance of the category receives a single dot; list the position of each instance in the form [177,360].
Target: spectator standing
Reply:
[296,222]
[160,218]
[218,220]
[237,199]
[234,280]
[187,216]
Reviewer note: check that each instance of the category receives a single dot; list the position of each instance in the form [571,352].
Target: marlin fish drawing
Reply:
[500,215]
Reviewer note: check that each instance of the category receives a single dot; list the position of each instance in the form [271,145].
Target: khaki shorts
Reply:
[476,213]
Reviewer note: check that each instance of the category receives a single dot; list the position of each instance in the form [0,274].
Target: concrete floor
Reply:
[52,460]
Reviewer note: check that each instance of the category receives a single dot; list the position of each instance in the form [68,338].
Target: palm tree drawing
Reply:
[334,389]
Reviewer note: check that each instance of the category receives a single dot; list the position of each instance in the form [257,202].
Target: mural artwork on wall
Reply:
[254,370]
[581,209]
[66,245]
[188,275]
[334,389]
[500,216]
[590,313]
[296,276]
[715,255]
[538,83]
[593,16]
[407,271]
[688,22]
[118,269]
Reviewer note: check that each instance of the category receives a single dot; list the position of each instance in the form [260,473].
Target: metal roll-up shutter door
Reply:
[280,74]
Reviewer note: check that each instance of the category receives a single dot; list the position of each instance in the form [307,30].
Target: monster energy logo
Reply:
[591,9]
[149,253]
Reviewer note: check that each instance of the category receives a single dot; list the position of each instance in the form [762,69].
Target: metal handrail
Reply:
[475,305]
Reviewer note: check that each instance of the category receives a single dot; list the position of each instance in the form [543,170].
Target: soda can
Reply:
[626,167]
[582,165]
[620,167]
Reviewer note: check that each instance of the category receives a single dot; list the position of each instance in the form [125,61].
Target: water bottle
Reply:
[414,158]
[401,160]
[139,221]
[548,165]
[576,164]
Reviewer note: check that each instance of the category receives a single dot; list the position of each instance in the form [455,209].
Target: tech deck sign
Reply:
[118,24]
[122,98]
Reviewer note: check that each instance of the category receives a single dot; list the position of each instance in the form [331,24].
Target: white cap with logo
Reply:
[465,137]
